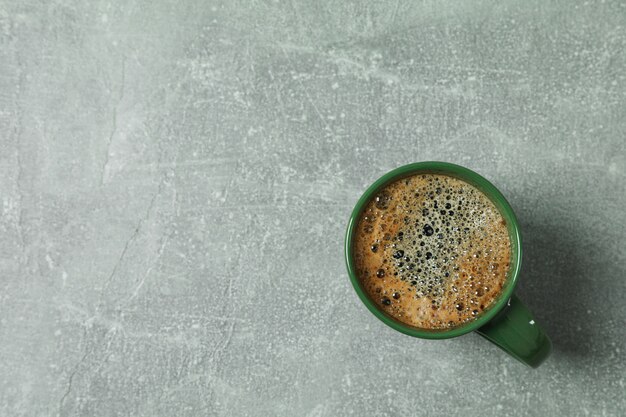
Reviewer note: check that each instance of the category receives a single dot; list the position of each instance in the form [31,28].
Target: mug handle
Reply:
[514,330]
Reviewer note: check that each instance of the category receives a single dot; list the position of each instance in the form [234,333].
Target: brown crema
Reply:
[432,251]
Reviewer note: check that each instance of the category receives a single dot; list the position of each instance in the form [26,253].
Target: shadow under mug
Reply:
[507,322]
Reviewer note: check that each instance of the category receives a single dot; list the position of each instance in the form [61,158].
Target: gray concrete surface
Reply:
[176,178]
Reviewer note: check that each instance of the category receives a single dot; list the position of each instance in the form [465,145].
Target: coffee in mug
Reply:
[432,251]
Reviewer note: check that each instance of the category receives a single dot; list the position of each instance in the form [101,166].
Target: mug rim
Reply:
[487,188]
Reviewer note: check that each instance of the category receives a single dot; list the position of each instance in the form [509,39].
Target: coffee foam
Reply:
[432,251]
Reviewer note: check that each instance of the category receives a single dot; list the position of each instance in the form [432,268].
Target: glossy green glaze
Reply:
[516,332]
[509,333]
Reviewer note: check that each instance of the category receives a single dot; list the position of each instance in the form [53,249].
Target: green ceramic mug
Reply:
[507,323]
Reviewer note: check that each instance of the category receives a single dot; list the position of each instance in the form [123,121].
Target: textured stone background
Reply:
[176,177]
